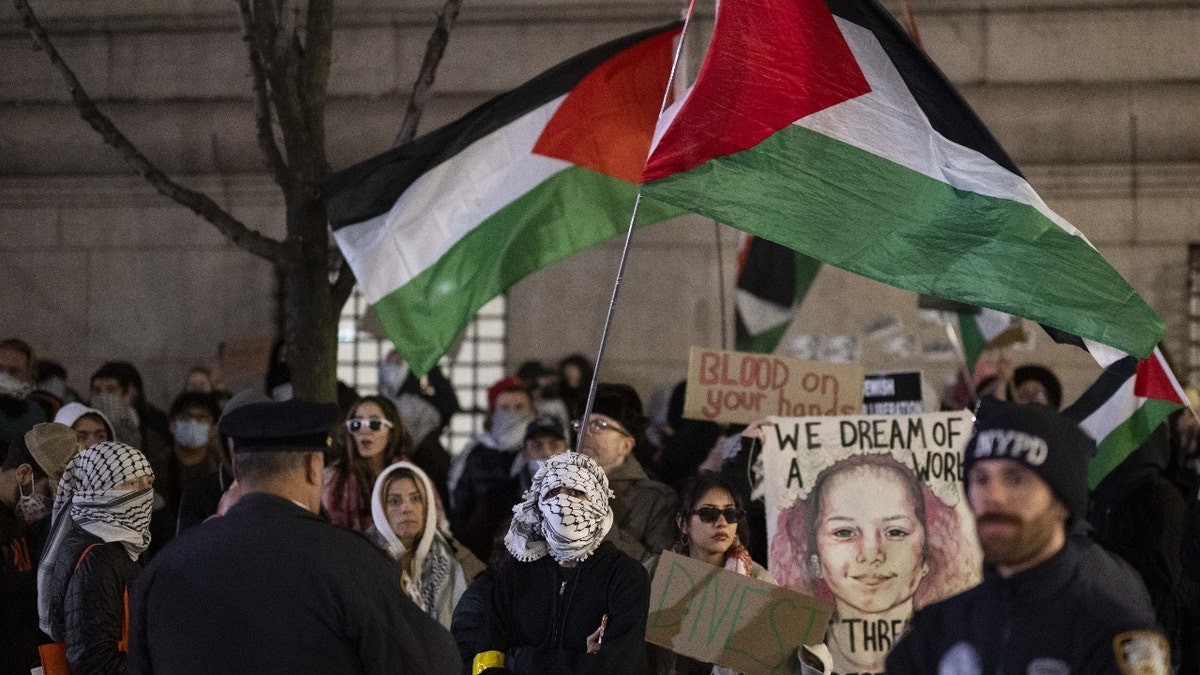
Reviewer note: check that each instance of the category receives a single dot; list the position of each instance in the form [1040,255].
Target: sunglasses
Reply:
[709,514]
[598,425]
[356,425]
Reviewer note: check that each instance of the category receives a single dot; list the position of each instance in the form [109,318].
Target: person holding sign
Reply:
[709,514]
[570,602]
[1040,608]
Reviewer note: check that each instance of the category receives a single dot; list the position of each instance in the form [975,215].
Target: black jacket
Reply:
[1056,617]
[91,614]
[273,588]
[542,614]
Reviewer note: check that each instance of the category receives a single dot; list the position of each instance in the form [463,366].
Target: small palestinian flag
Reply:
[1124,407]
[817,124]
[436,228]
[772,282]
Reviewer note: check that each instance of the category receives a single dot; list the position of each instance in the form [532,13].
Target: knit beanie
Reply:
[52,445]
[621,403]
[1038,437]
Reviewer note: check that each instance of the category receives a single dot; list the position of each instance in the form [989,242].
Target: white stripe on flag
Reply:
[448,202]
[888,122]
[1113,412]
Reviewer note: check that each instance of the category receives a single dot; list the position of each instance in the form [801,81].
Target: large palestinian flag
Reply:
[817,124]
[436,228]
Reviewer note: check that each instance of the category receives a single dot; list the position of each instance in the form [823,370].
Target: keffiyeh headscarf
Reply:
[431,565]
[567,527]
[88,498]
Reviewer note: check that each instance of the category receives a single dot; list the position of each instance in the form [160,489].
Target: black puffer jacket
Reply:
[89,611]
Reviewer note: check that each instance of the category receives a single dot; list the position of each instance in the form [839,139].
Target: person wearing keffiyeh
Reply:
[570,601]
[100,526]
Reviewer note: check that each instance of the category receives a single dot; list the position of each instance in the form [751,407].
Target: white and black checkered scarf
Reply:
[88,498]
[590,519]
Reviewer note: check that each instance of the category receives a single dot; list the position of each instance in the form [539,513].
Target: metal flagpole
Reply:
[612,303]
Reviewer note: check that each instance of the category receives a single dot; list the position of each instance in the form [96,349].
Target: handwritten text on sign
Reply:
[728,619]
[736,387]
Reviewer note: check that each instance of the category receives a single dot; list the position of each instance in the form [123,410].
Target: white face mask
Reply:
[31,507]
[391,377]
[192,433]
[508,428]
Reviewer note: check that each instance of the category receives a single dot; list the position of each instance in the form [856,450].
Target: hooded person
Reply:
[100,527]
[90,425]
[406,527]
[570,601]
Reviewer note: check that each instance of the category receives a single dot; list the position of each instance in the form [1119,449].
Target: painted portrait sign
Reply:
[868,512]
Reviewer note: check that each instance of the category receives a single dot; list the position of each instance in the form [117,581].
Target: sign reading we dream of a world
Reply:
[737,387]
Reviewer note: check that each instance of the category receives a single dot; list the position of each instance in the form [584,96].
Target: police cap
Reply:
[302,426]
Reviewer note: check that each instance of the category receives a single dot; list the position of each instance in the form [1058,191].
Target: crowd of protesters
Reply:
[221,533]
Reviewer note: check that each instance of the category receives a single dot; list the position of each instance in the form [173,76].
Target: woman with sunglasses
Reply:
[710,512]
[371,438]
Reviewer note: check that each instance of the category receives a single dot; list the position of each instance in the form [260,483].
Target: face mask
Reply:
[508,428]
[569,525]
[533,466]
[282,392]
[56,386]
[391,376]
[192,433]
[31,507]
[11,386]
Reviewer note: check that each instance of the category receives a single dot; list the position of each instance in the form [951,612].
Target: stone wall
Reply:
[1096,100]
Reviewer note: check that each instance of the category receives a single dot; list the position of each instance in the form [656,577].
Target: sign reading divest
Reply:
[737,387]
[728,619]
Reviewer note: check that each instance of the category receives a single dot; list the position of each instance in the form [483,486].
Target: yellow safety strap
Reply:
[485,660]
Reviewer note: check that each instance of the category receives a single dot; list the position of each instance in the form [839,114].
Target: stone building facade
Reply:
[1097,100]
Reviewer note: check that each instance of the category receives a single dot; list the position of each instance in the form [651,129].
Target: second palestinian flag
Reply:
[817,124]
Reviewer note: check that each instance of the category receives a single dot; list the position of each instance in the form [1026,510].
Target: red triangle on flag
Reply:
[607,121]
[770,63]
[1154,381]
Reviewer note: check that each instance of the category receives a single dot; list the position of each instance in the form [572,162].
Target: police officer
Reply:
[1038,610]
[270,587]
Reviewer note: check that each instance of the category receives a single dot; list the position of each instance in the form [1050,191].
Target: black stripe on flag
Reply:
[372,187]
[946,109]
[1107,385]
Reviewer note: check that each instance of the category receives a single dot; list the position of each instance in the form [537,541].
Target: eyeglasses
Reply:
[597,425]
[374,424]
[709,514]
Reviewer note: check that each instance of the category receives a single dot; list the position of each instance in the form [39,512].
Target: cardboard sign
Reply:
[869,496]
[893,394]
[740,388]
[728,619]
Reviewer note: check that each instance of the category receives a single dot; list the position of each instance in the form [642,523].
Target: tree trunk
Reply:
[309,315]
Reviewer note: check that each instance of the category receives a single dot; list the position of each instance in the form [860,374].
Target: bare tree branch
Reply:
[343,286]
[201,204]
[314,70]
[423,87]
[262,103]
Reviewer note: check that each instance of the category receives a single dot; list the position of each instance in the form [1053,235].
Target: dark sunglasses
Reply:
[356,425]
[709,514]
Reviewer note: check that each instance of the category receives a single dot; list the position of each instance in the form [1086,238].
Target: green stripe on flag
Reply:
[1127,437]
[876,218]
[572,210]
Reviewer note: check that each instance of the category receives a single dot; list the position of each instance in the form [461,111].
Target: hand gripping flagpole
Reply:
[612,303]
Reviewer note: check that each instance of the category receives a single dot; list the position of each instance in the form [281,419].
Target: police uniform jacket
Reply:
[1055,618]
[272,588]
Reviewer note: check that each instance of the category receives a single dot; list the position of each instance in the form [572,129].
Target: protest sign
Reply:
[732,620]
[868,511]
[892,394]
[736,387]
